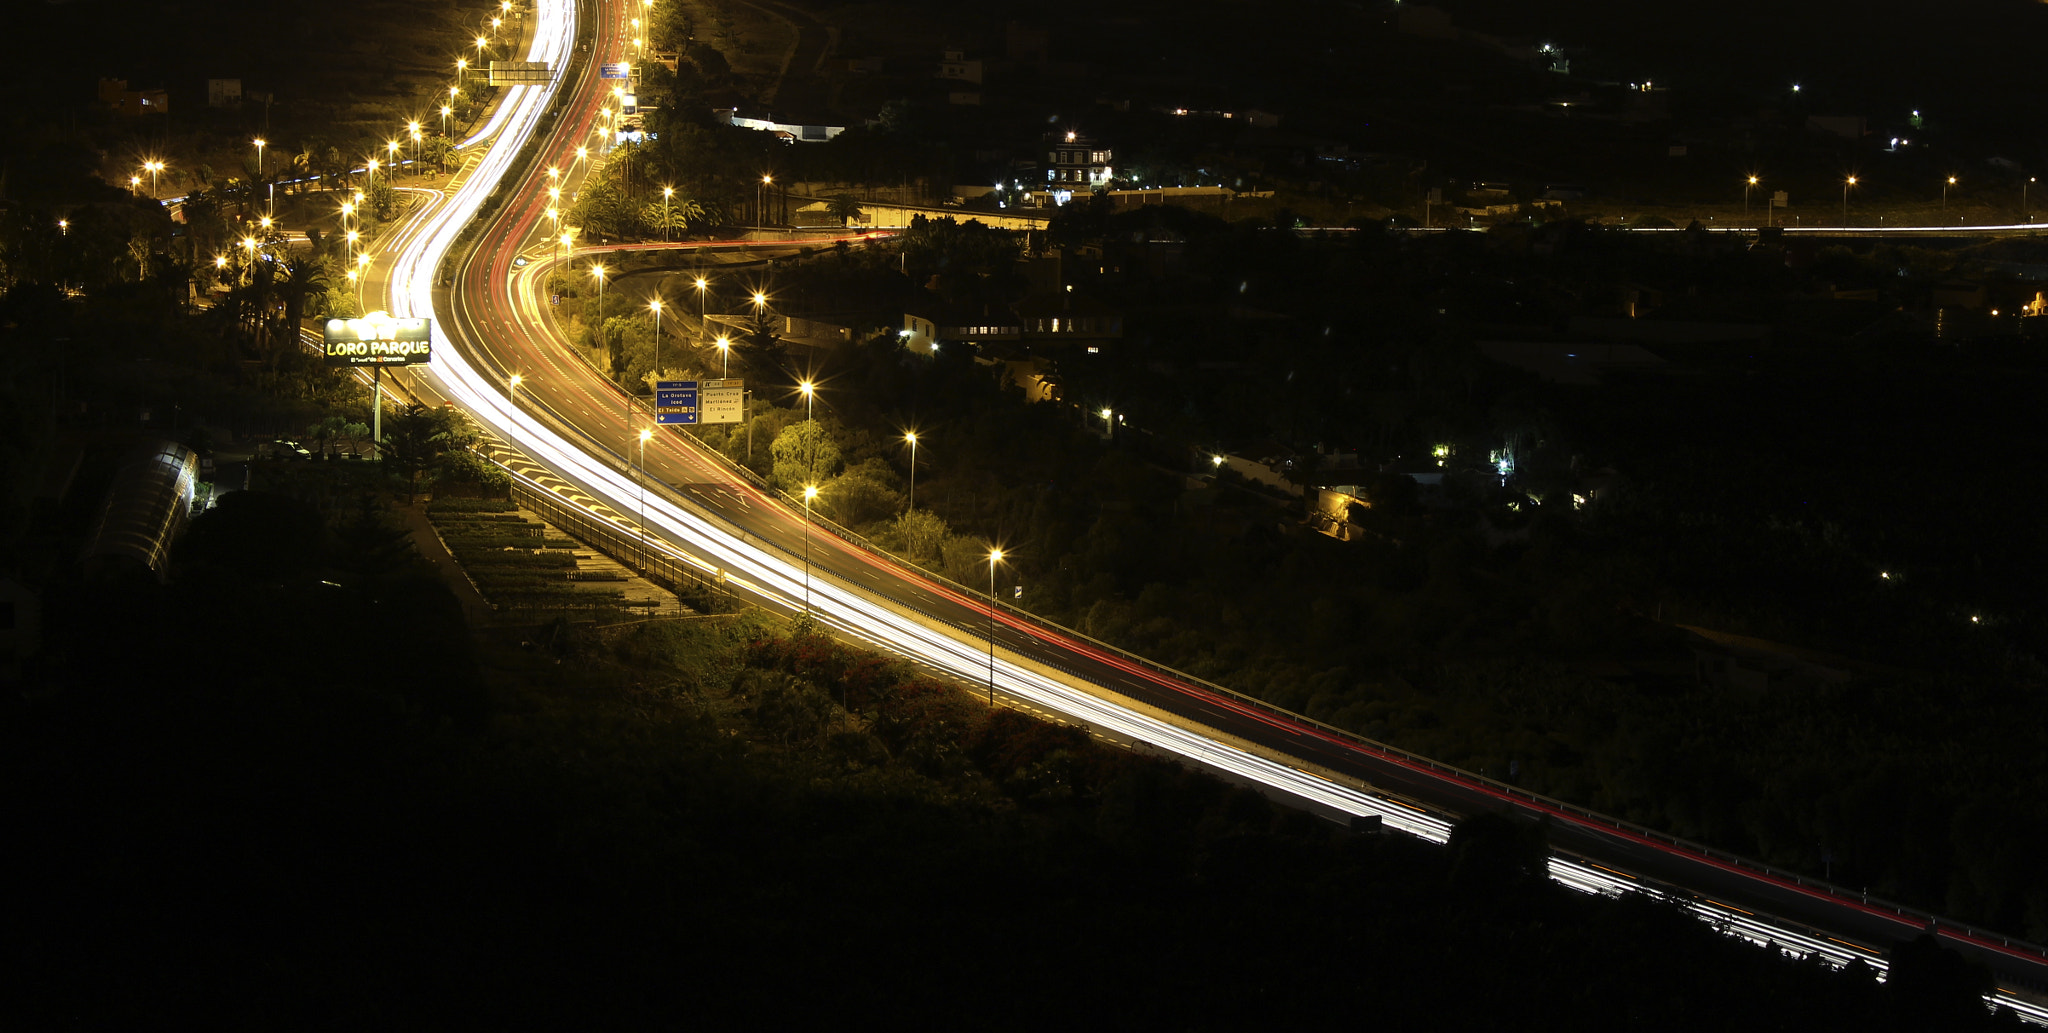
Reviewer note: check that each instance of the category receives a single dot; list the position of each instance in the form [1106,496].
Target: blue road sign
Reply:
[675,401]
[613,71]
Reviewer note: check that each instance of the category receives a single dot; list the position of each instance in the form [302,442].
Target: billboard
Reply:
[378,339]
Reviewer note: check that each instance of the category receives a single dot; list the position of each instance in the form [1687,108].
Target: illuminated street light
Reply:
[810,492]
[656,306]
[811,449]
[911,436]
[995,556]
[1107,428]
[759,192]
[724,358]
[644,435]
[260,144]
[517,379]
[2023,197]
[64,227]
[1951,181]
[702,283]
[667,194]
[461,63]
[154,168]
[1747,186]
[1846,184]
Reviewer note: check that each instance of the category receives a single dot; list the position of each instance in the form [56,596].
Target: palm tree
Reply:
[845,209]
[671,215]
[301,280]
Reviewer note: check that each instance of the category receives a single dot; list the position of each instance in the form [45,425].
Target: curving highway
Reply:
[570,431]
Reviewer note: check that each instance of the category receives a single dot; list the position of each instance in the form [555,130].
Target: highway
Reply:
[571,432]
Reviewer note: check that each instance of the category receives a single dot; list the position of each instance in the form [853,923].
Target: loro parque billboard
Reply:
[378,339]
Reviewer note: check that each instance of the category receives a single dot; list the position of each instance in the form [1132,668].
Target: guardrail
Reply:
[628,545]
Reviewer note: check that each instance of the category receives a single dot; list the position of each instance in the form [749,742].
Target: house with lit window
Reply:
[1075,163]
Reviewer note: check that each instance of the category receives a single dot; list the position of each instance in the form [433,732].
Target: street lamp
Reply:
[413,127]
[656,306]
[701,327]
[1846,184]
[667,193]
[911,436]
[1107,429]
[64,227]
[995,556]
[480,42]
[810,430]
[135,183]
[724,358]
[260,144]
[517,379]
[2023,197]
[461,63]
[1747,186]
[392,146]
[1944,193]
[759,192]
[644,435]
[154,168]
[810,492]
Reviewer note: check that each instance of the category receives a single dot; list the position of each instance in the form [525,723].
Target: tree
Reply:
[845,209]
[804,454]
[669,215]
[415,440]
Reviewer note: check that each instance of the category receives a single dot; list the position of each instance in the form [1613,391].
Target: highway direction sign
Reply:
[616,70]
[675,401]
[721,401]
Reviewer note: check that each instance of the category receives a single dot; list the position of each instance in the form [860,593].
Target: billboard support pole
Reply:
[377,413]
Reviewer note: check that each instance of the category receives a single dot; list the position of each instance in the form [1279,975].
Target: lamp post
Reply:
[1951,181]
[516,380]
[64,227]
[135,183]
[260,144]
[911,436]
[1747,186]
[461,63]
[656,306]
[2023,198]
[154,168]
[392,147]
[598,272]
[724,358]
[995,556]
[480,42]
[667,194]
[1846,184]
[760,192]
[810,431]
[1108,429]
[701,327]
[644,435]
[810,492]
